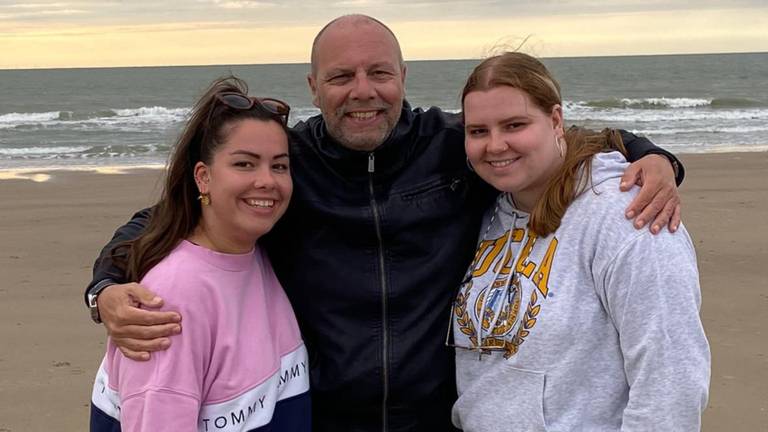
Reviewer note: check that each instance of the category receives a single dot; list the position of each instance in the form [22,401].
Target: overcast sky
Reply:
[41,33]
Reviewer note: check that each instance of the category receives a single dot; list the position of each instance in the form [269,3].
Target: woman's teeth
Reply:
[260,203]
[502,163]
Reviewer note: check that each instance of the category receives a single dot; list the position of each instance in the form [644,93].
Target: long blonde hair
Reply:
[527,74]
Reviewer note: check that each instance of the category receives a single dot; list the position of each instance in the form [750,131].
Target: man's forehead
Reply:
[357,41]
[357,26]
[343,62]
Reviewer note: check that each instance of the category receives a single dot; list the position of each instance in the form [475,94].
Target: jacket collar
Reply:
[388,158]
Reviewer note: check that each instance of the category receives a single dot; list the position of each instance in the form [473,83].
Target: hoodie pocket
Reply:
[504,398]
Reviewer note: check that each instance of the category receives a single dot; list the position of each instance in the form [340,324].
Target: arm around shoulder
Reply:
[640,146]
[105,272]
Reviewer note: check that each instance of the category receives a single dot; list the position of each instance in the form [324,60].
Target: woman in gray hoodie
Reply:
[569,319]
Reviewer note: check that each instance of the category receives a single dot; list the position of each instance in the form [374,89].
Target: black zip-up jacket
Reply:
[370,253]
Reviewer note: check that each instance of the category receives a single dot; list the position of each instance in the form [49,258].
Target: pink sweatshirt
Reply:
[238,365]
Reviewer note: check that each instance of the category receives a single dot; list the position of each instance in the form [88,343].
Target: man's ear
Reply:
[312,81]
[202,177]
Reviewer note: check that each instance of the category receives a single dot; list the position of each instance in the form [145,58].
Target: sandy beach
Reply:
[50,232]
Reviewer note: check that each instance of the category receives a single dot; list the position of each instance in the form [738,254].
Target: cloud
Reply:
[37,5]
[40,14]
[353,3]
[242,4]
[125,32]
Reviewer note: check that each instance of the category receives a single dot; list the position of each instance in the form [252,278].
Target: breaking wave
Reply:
[666,103]
[112,117]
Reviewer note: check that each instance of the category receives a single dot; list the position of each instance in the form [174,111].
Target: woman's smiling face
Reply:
[511,142]
[249,182]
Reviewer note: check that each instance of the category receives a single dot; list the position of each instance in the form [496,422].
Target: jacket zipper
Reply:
[383,284]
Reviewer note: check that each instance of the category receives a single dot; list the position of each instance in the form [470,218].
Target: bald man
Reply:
[381,228]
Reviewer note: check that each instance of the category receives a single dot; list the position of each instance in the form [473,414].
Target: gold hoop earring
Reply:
[205,199]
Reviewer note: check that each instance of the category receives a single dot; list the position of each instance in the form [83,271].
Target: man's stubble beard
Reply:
[363,143]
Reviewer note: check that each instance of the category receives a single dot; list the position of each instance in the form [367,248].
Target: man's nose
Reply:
[362,87]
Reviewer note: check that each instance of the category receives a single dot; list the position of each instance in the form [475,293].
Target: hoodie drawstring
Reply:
[497,306]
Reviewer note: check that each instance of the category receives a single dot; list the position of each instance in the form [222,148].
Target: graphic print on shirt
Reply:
[473,313]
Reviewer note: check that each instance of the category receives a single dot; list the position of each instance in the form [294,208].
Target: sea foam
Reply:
[38,151]
[671,102]
[109,118]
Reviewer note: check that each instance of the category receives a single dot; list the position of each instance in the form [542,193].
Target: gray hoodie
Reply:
[599,330]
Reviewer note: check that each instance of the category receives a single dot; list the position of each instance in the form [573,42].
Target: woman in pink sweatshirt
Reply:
[240,363]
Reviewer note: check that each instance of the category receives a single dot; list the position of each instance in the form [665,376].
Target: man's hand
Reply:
[137,332]
[658,201]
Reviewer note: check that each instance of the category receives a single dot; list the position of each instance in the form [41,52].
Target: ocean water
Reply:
[130,116]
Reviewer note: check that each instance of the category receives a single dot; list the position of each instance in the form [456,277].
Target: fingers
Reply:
[130,323]
[676,219]
[656,201]
[630,177]
[143,296]
[151,339]
[137,332]
[133,316]
[665,216]
[658,211]
[639,204]
[111,303]
[134,355]
[137,346]
[118,306]
[655,209]
[148,333]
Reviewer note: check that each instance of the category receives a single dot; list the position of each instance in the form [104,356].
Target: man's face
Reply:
[358,84]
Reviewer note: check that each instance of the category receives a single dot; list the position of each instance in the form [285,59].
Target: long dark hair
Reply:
[526,73]
[177,213]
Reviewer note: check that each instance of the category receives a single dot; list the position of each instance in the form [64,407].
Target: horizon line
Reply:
[408,60]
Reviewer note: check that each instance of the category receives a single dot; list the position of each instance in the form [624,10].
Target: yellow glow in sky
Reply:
[26,45]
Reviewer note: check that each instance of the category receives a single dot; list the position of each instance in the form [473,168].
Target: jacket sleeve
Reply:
[653,299]
[638,147]
[104,270]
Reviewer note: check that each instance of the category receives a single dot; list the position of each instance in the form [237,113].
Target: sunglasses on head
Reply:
[240,101]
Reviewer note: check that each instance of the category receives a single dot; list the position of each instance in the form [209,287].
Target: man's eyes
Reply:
[346,77]
[338,78]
